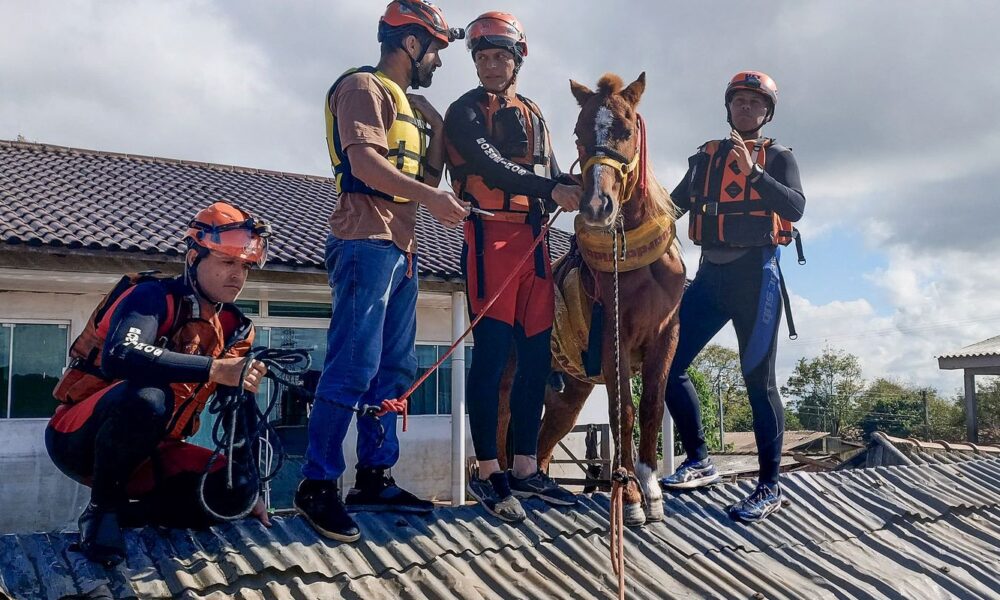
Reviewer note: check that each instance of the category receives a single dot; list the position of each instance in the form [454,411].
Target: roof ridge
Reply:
[158,159]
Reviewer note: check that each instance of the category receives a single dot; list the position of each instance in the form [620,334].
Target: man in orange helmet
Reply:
[500,158]
[386,150]
[154,351]
[743,194]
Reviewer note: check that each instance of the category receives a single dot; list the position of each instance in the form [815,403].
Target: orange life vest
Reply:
[470,186]
[725,209]
[184,330]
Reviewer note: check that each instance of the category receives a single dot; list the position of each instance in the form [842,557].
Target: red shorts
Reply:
[528,300]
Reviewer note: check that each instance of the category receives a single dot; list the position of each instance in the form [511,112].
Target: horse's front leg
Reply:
[622,411]
[655,368]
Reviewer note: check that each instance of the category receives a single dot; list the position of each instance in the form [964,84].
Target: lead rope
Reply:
[619,477]
[399,405]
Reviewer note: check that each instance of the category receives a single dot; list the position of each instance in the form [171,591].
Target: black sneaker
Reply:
[375,491]
[691,474]
[494,494]
[319,503]
[540,485]
[101,538]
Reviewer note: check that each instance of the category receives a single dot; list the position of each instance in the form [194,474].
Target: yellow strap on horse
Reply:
[621,169]
[643,245]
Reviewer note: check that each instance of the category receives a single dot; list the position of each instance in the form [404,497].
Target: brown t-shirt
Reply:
[364,111]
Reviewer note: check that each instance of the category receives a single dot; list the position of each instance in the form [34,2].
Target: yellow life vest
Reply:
[408,137]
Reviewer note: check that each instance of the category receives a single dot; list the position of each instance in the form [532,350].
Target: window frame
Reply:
[8,321]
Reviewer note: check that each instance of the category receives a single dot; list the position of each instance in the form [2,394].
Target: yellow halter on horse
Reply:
[640,246]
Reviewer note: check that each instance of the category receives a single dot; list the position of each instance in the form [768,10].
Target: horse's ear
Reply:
[581,92]
[634,91]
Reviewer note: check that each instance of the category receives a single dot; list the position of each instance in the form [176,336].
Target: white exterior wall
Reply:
[35,496]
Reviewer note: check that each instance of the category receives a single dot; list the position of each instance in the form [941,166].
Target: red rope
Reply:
[399,405]
[618,530]
[643,155]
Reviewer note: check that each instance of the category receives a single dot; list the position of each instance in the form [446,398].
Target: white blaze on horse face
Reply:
[602,133]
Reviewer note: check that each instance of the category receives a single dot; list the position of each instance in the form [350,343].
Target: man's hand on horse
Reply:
[740,153]
[567,196]
[227,371]
[431,115]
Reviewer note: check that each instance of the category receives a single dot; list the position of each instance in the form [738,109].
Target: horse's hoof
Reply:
[634,515]
[654,511]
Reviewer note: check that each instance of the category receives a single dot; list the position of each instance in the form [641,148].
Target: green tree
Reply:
[720,367]
[892,407]
[826,391]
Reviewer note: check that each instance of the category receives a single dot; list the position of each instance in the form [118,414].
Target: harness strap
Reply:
[792,334]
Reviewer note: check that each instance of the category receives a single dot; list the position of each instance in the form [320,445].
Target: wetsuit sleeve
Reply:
[465,130]
[130,350]
[682,194]
[780,188]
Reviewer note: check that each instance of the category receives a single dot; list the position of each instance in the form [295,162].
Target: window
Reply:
[310,310]
[434,396]
[32,357]
[250,308]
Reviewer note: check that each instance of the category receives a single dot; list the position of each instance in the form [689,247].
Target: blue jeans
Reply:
[370,353]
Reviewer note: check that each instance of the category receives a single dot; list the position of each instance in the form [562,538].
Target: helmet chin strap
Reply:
[191,279]
[415,65]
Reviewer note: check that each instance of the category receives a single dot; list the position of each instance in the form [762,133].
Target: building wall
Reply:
[37,497]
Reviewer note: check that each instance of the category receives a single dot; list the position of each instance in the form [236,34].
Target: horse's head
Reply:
[608,140]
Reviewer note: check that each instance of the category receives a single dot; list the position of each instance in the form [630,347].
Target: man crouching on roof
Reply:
[149,358]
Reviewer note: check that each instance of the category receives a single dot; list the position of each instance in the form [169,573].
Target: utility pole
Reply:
[927,415]
[722,425]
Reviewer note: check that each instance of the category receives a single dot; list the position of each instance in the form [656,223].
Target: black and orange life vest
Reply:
[470,186]
[225,334]
[725,209]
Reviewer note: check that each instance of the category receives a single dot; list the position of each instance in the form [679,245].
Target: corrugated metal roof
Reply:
[921,452]
[990,347]
[930,531]
[60,197]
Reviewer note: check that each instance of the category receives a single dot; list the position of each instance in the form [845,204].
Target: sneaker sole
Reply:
[493,512]
[381,508]
[340,537]
[693,484]
[546,499]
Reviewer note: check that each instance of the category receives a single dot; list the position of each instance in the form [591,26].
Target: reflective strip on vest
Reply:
[407,140]
[470,186]
[725,209]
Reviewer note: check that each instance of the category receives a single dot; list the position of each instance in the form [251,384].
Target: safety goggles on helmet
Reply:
[499,30]
[246,240]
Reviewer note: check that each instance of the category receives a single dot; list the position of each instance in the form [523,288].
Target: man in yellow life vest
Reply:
[742,194]
[386,151]
[500,158]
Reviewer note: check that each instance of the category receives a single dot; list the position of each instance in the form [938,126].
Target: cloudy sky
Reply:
[890,108]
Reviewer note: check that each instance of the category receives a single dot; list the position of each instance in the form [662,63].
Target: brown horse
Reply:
[621,198]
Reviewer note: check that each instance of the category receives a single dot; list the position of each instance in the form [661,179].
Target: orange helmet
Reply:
[754,81]
[499,29]
[224,229]
[419,13]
